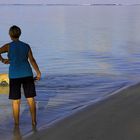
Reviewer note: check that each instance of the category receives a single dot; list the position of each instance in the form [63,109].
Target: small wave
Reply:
[79,81]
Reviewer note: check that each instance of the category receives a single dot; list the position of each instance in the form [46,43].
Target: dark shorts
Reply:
[28,87]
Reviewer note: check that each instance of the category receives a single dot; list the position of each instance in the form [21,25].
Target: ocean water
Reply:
[85,54]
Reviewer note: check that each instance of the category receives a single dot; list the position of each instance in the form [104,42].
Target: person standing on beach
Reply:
[20,73]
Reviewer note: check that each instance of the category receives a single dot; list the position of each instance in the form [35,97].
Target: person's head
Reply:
[14,32]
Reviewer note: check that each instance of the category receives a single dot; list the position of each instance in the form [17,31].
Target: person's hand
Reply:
[5,61]
[38,76]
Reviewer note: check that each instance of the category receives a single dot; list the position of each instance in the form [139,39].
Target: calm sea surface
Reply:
[85,53]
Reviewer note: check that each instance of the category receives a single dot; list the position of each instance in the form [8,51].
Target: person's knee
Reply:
[31,100]
[16,101]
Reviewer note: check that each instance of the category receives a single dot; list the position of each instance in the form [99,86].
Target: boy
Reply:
[20,73]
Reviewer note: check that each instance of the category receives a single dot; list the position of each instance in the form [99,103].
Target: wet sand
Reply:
[116,118]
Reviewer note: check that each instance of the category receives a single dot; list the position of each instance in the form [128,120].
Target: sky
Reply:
[69,1]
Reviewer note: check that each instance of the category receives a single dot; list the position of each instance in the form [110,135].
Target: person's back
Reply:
[18,56]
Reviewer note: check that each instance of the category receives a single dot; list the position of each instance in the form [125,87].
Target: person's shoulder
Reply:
[7,44]
[10,43]
[24,43]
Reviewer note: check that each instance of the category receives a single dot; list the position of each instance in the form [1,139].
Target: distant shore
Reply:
[44,4]
[116,118]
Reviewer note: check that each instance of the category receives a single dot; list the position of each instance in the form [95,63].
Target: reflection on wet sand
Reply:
[17,133]
[4,83]
[4,77]
[4,90]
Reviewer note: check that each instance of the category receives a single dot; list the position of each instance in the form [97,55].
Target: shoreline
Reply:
[53,128]
[79,109]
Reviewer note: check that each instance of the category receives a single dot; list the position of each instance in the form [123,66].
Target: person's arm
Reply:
[34,64]
[4,49]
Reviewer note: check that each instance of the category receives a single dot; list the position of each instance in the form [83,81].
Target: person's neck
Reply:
[15,39]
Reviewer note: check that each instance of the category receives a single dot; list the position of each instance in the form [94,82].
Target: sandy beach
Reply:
[116,118]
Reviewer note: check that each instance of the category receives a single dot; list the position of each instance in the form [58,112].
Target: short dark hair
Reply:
[15,31]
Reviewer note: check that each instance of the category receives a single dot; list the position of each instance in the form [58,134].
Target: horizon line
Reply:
[86,4]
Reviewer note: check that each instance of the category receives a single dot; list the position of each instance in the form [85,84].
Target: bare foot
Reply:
[34,123]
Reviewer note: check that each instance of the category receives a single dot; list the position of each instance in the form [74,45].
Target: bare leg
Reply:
[16,110]
[32,106]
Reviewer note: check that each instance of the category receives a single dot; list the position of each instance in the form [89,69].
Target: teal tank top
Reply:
[18,56]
